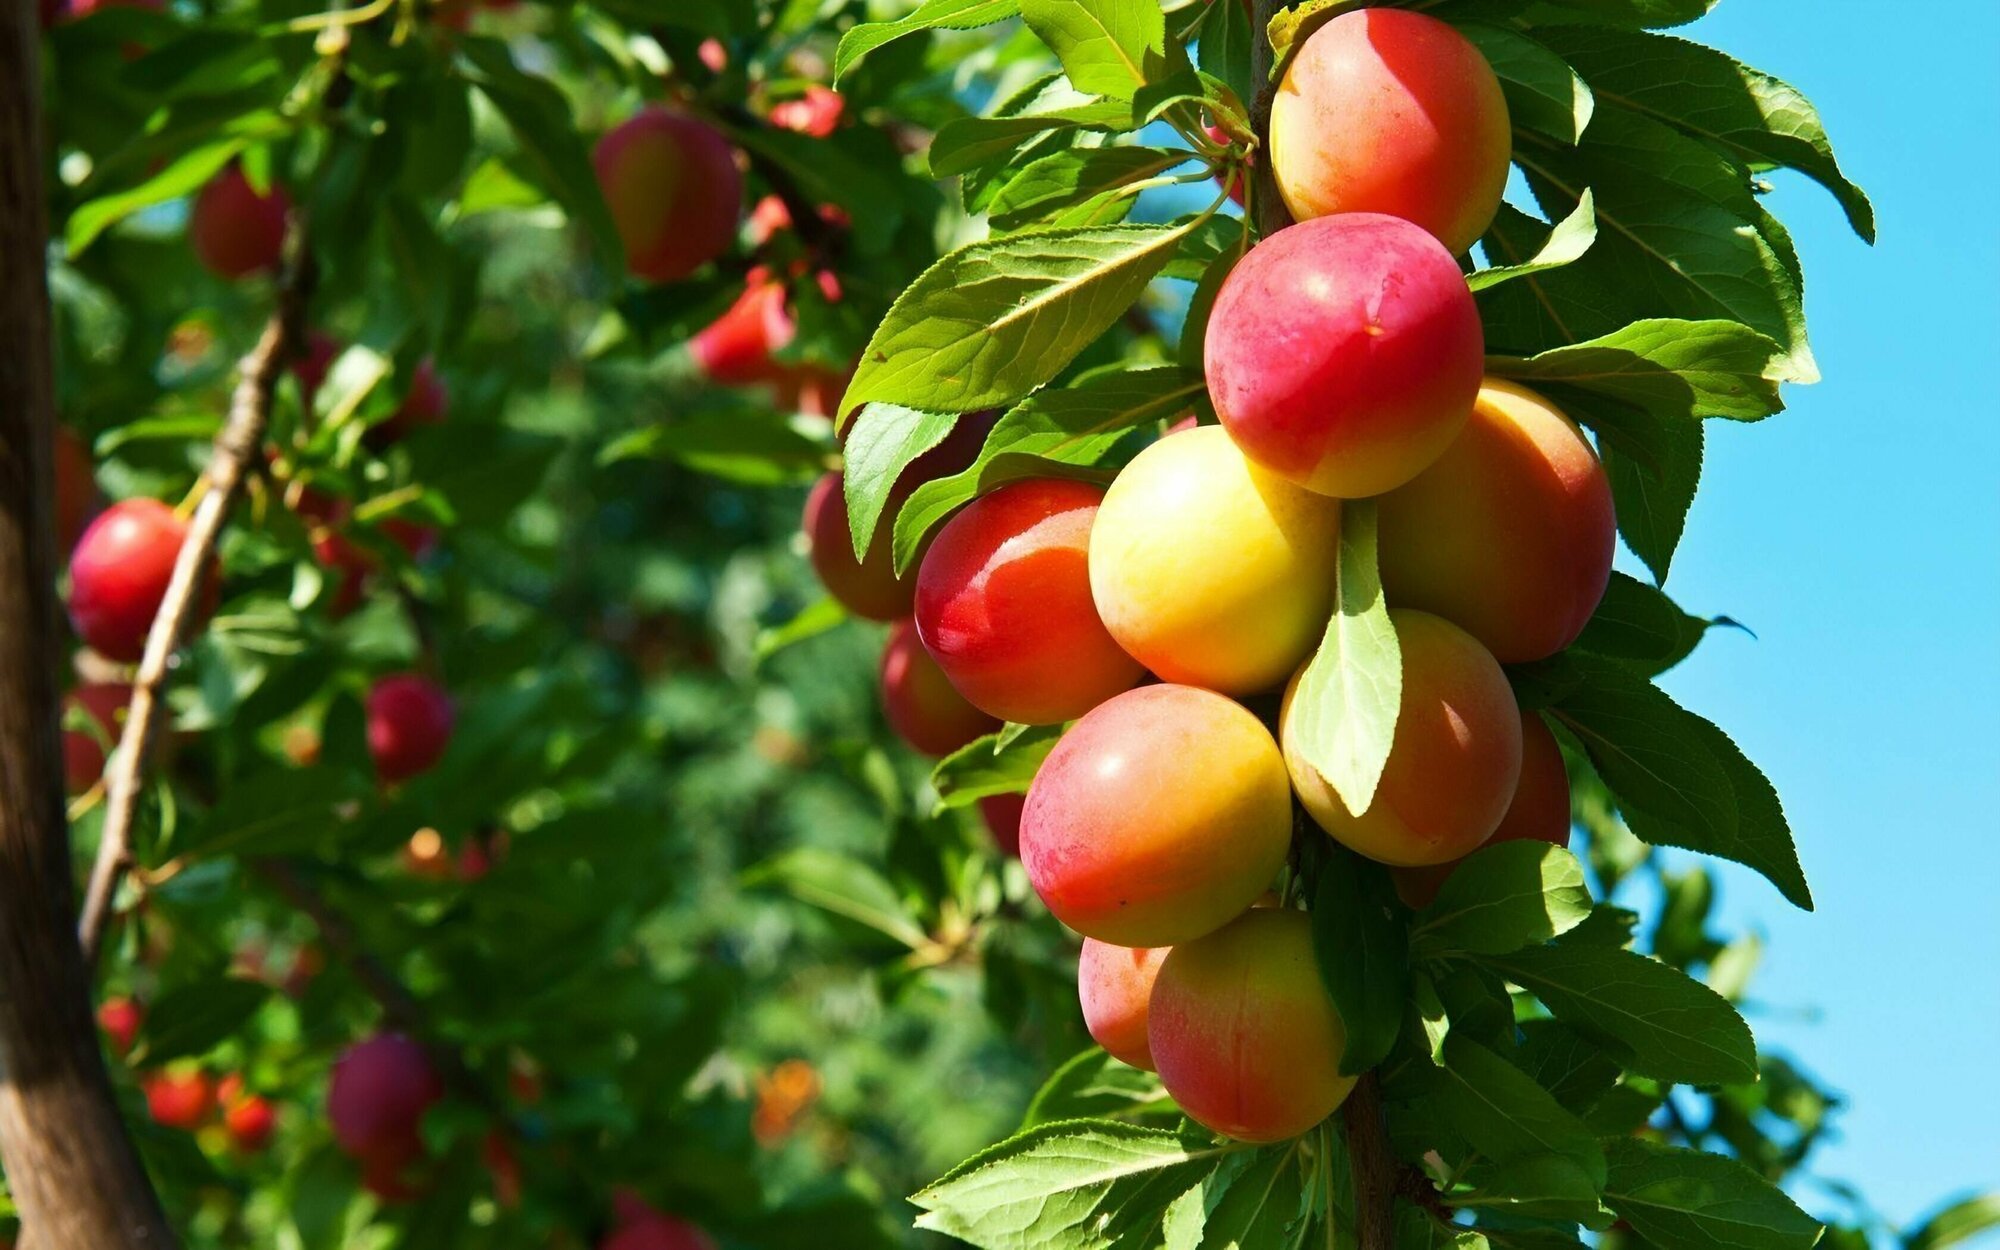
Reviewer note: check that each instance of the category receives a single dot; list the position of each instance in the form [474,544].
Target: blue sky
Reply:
[1858,534]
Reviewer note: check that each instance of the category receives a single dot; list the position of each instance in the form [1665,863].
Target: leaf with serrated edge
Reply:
[1567,240]
[1362,952]
[1689,1200]
[1502,1113]
[1344,710]
[881,442]
[1081,1184]
[1670,1026]
[1542,91]
[1110,48]
[982,767]
[1502,898]
[996,319]
[932,14]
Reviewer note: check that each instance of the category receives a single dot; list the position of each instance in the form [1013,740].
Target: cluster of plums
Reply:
[1345,359]
[186,1096]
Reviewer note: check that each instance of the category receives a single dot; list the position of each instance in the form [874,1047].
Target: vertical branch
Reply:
[236,448]
[1373,1167]
[1272,215]
[70,1168]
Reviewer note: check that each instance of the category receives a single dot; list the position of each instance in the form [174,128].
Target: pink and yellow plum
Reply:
[674,191]
[922,705]
[1114,984]
[1539,811]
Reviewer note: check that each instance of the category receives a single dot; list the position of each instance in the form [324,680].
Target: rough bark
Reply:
[70,1167]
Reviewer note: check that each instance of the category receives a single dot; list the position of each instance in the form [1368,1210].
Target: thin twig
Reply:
[236,449]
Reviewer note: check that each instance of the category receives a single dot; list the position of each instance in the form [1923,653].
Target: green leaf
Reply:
[1638,625]
[1073,425]
[1665,368]
[1575,1071]
[1678,779]
[185,175]
[1223,48]
[864,38]
[1687,1200]
[1079,1184]
[1108,48]
[1541,1187]
[271,812]
[1363,953]
[1710,96]
[821,615]
[1653,504]
[1564,242]
[1255,1201]
[1068,178]
[1343,714]
[194,1018]
[844,886]
[1502,898]
[1642,13]
[881,443]
[966,143]
[756,449]
[538,115]
[1500,1111]
[996,319]
[1956,1224]
[1543,92]
[1679,233]
[849,169]
[981,767]
[492,187]
[1668,1025]
[1093,1085]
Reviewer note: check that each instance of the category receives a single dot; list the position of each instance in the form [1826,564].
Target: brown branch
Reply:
[70,1168]
[1272,215]
[236,450]
[1372,1166]
[399,1006]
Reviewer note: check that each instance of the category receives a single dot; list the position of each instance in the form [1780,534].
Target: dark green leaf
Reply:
[1543,92]
[1363,954]
[1068,178]
[1671,1026]
[881,442]
[1688,1200]
[1678,779]
[1637,624]
[1093,1085]
[1223,47]
[272,812]
[193,1018]
[1500,1111]
[844,886]
[1561,1060]
[1653,503]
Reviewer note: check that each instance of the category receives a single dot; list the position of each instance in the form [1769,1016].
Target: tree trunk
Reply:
[72,1171]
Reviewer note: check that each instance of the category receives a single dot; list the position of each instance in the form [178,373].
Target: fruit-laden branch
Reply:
[1373,1167]
[71,1170]
[236,449]
[400,1008]
[1272,215]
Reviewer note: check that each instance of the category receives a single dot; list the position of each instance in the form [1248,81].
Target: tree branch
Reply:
[1272,215]
[1372,1166]
[235,451]
[70,1168]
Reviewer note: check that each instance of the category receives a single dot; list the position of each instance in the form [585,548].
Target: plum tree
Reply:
[409,726]
[376,1101]
[1453,764]
[1388,111]
[674,191]
[1539,811]
[1344,353]
[1510,533]
[118,575]
[1003,604]
[1157,817]
[102,704]
[1114,984]
[234,230]
[1210,570]
[922,705]
[1243,1033]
